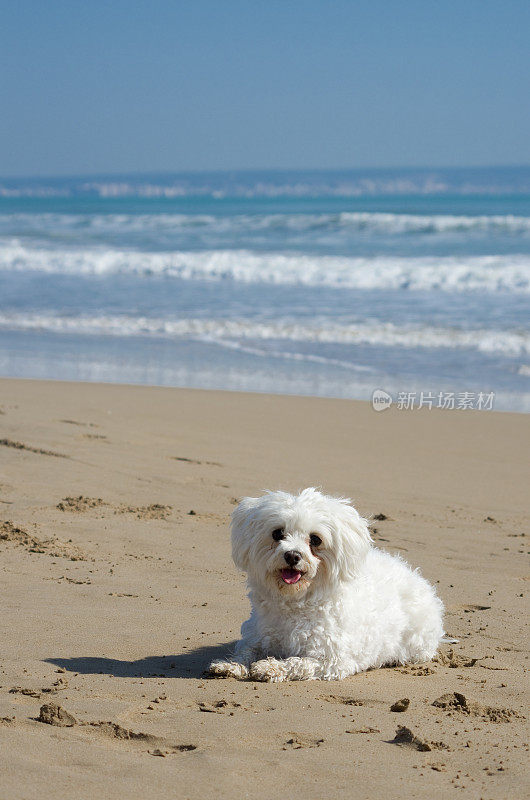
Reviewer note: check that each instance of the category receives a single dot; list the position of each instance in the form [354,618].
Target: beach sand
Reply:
[118,590]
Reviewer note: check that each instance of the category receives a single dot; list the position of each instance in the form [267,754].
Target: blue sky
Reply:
[195,84]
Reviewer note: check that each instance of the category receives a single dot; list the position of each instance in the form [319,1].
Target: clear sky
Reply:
[155,85]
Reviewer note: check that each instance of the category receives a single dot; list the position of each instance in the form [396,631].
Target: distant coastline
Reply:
[344,183]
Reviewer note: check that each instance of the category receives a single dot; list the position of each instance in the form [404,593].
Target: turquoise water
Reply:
[327,283]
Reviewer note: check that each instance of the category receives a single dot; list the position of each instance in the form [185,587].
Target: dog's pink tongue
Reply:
[291,575]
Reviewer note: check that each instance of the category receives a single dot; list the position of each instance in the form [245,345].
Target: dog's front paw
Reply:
[228,669]
[269,670]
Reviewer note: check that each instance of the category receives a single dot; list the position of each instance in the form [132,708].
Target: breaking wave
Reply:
[346,221]
[506,273]
[235,333]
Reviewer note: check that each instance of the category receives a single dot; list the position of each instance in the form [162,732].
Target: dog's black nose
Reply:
[292,557]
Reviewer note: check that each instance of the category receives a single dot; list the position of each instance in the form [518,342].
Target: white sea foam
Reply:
[236,332]
[509,273]
[370,222]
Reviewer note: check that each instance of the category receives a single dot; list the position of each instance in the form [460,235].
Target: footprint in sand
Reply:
[363,730]
[29,449]
[400,705]
[52,714]
[298,742]
[51,547]
[153,511]
[454,660]
[219,707]
[456,702]
[81,424]
[345,701]
[416,671]
[81,504]
[195,461]
[406,738]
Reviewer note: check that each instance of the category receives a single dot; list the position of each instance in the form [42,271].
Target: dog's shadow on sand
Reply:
[192,664]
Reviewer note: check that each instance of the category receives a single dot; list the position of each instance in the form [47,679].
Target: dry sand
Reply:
[119,589]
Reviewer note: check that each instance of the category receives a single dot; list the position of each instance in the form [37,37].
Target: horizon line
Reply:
[237,170]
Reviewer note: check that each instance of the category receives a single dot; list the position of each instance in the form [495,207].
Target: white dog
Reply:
[325,602]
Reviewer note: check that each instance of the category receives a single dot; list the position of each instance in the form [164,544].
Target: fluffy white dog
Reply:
[325,602]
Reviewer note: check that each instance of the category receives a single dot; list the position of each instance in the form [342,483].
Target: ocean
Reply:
[413,282]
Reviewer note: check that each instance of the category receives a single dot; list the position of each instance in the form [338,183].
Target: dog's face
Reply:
[293,543]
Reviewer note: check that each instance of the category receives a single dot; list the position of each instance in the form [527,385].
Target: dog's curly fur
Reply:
[325,602]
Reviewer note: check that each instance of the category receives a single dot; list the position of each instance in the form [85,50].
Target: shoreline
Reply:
[505,397]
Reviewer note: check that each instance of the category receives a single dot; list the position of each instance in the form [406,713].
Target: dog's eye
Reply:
[277,534]
[314,540]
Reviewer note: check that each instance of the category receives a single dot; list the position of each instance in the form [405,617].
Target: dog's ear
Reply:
[242,524]
[354,540]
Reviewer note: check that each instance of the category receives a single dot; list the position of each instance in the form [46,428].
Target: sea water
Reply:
[322,283]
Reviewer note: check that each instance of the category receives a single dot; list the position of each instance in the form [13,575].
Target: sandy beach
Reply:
[119,589]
